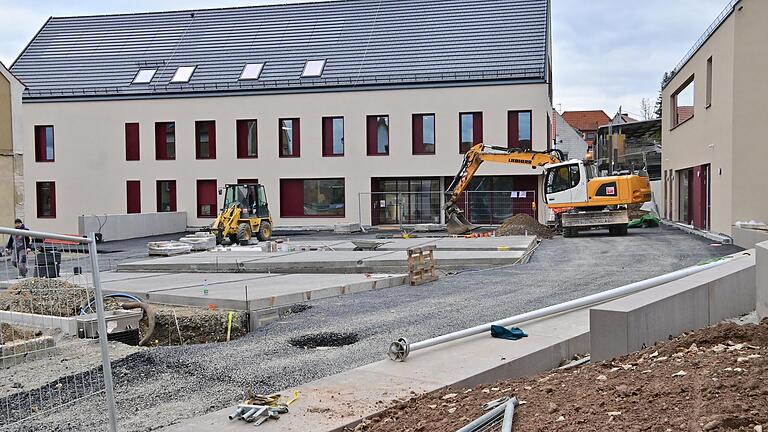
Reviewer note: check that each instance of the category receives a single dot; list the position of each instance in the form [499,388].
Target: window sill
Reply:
[45,160]
[46,217]
[681,123]
[289,156]
[423,154]
[205,158]
[333,155]
[249,157]
[166,159]
[378,154]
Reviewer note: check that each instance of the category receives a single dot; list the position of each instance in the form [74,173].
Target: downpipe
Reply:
[400,349]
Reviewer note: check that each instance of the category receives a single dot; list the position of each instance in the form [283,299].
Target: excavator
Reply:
[572,189]
[244,214]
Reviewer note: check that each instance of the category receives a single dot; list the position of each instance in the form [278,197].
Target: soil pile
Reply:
[45,297]
[709,380]
[9,333]
[522,224]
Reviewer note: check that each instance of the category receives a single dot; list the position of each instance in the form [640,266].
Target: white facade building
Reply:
[346,112]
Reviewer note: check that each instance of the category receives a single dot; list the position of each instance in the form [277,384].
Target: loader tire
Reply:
[265,231]
[243,234]
[570,232]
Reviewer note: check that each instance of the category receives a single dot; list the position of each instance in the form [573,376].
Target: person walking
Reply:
[17,247]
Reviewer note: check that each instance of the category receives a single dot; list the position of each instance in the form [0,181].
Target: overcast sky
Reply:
[607,53]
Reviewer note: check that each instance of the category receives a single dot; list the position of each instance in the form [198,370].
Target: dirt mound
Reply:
[195,325]
[45,297]
[522,224]
[712,379]
[9,333]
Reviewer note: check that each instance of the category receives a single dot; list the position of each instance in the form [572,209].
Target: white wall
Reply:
[90,168]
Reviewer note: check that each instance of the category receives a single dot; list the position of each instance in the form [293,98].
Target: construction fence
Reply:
[406,208]
[50,297]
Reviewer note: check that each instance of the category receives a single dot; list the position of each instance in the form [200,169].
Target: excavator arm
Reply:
[455,220]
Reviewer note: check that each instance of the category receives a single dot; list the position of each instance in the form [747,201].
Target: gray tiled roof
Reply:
[365,42]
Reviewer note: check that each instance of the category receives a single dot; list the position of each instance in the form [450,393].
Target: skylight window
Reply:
[313,69]
[252,71]
[183,74]
[144,76]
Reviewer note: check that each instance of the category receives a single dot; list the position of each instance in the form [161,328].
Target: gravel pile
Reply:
[712,379]
[523,224]
[45,297]
[162,385]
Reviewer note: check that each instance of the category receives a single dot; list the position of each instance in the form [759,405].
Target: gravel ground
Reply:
[157,387]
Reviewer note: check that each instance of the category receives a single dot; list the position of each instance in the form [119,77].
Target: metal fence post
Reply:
[107,366]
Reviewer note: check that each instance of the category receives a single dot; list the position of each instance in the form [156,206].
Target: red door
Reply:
[700,198]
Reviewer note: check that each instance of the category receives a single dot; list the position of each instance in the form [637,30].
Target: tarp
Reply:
[647,221]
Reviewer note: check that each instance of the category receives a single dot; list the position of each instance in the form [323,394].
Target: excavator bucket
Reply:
[457,223]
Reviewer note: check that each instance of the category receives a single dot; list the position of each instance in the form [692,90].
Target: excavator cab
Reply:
[244,214]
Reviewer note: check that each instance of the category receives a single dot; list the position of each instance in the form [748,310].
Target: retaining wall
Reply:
[748,238]
[761,256]
[128,226]
[633,322]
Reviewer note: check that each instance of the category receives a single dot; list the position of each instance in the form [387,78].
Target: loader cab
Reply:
[251,198]
[566,182]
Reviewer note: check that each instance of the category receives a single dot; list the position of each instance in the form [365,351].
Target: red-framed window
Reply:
[289,137]
[333,136]
[423,131]
[133,196]
[470,130]
[313,198]
[205,139]
[166,196]
[206,199]
[46,199]
[519,130]
[247,139]
[44,150]
[377,135]
[165,140]
[248,181]
[132,146]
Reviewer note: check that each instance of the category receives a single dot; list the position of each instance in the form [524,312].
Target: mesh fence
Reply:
[47,301]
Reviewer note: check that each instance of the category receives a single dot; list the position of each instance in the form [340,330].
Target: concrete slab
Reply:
[319,261]
[334,402]
[515,243]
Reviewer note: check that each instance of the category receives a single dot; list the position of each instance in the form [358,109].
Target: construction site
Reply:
[548,271]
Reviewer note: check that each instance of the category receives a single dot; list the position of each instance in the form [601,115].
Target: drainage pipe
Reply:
[488,417]
[509,415]
[401,348]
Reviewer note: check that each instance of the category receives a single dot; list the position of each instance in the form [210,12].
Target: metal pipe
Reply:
[38,234]
[509,415]
[401,348]
[109,388]
[487,417]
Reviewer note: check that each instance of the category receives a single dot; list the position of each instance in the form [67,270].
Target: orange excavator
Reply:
[579,198]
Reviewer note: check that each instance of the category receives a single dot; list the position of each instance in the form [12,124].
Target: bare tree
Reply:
[647,109]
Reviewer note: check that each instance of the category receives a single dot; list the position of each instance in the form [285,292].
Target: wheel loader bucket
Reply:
[457,223]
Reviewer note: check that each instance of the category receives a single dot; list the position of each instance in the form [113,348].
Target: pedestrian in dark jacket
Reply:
[17,246]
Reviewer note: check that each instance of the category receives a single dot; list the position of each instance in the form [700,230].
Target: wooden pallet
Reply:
[421,265]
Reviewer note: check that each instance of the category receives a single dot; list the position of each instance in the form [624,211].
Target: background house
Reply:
[11,148]
[568,139]
[587,123]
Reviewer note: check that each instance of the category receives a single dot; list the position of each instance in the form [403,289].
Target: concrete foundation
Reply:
[748,238]
[17,352]
[318,261]
[631,323]
[67,325]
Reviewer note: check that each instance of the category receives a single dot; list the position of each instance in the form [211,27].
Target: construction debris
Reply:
[257,409]
[168,248]
[523,224]
[200,241]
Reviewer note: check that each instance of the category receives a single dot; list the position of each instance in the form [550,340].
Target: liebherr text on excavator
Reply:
[572,189]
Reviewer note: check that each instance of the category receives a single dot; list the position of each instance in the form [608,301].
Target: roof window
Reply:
[313,68]
[252,71]
[144,76]
[183,74]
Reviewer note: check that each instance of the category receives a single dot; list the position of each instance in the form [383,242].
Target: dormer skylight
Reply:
[313,69]
[183,74]
[144,76]
[252,71]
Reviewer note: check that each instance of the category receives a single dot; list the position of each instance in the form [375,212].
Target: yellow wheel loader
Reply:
[572,189]
[245,213]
